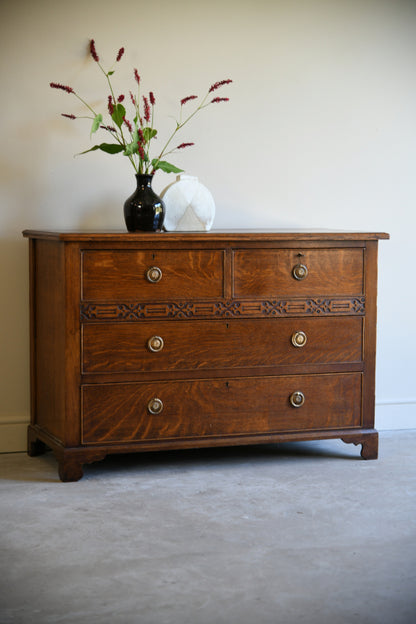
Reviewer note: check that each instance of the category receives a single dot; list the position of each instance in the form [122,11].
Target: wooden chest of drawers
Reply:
[165,341]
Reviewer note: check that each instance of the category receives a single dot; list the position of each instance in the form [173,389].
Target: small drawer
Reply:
[289,273]
[203,345]
[205,408]
[152,275]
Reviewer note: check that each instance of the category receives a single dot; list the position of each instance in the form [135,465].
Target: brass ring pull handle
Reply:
[154,275]
[155,344]
[300,271]
[155,406]
[299,339]
[297,399]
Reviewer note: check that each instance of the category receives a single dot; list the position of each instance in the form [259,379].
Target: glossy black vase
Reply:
[144,210]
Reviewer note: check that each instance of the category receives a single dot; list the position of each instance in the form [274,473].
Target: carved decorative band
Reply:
[218,309]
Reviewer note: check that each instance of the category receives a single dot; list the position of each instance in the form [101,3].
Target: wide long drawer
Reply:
[214,407]
[286,272]
[152,275]
[178,345]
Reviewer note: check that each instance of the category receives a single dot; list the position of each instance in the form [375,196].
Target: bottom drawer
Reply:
[162,410]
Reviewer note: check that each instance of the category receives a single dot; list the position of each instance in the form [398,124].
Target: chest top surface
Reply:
[257,235]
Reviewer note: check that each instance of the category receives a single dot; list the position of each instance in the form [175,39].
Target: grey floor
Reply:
[297,533]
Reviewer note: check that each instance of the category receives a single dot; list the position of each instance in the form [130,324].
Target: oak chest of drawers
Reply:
[165,341]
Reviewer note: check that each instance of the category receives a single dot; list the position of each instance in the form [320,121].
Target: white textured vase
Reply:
[189,206]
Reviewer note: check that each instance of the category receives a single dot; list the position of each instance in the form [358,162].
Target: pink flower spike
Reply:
[93,51]
[140,150]
[68,116]
[133,99]
[110,105]
[218,99]
[152,98]
[56,85]
[146,109]
[187,99]
[120,98]
[141,136]
[136,76]
[120,54]
[182,145]
[128,124]
[219,84]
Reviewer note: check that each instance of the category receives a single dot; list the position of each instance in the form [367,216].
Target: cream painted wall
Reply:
[320,132]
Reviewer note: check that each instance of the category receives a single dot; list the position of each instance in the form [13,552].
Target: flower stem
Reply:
[85,104]
[181,124]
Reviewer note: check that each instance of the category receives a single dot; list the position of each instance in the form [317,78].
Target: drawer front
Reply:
[181,345]
[206,408]
[152,275]
[285,272]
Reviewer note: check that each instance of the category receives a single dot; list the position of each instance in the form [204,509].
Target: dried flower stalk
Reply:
[133,138]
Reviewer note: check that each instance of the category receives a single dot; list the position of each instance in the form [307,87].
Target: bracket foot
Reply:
[369,442]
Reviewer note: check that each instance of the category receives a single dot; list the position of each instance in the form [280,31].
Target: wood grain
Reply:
[268,273]
[206,345]
[109,275]
[226,308]
[199,408]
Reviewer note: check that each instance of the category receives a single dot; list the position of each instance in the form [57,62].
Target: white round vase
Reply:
[189,206]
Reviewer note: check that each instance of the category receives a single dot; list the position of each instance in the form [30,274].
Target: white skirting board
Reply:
[390,415]
[13,436]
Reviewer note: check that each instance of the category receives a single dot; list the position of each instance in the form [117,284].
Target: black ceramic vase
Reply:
[144,210]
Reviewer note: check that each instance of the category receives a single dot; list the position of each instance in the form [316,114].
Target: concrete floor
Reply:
[291,534]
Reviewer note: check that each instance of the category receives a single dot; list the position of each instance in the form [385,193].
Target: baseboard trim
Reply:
[395,415]
[13,437]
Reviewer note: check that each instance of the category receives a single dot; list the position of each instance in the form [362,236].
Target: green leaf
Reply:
[118,114]
[110,73]
[165,166]
[109,148]
[96,123]
[131,148]
[149,133]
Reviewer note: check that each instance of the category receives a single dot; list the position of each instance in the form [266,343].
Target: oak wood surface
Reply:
[204,345]
[204,407]
[267,273]
[224,236]
[228,365]
[48,339]
[122,274]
